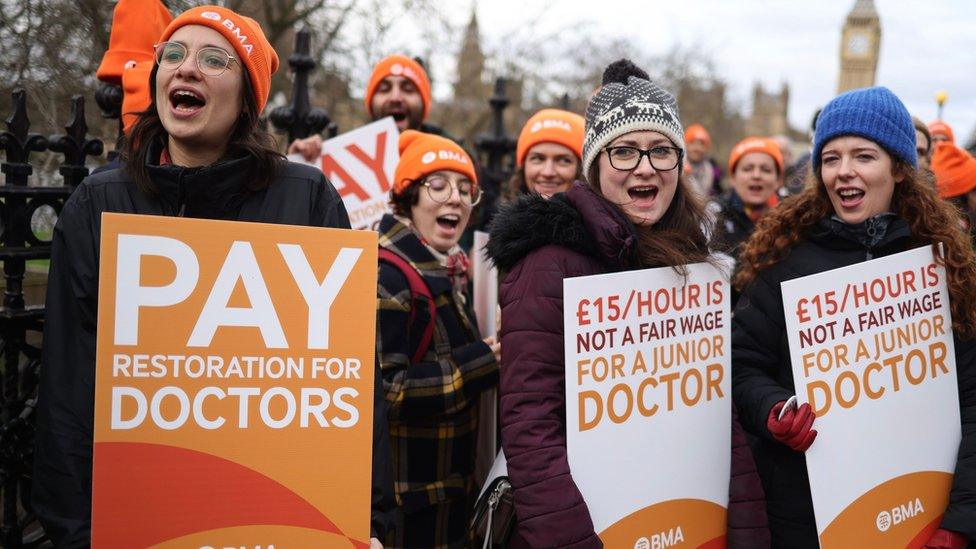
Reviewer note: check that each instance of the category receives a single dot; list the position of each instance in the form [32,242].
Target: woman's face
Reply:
[644,193]
[858,176]
[199,111]
[550,168]
[755,178]
[441,223]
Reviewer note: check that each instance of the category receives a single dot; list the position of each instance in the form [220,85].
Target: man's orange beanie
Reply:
[756,144]
[398,65]
[697,131]
[423,153]
[135,26]
[955,170]
[551,126]
[937,127]
[252,48]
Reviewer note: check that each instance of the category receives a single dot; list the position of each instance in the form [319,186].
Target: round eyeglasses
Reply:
[662,159]
[440,189]
[211,60]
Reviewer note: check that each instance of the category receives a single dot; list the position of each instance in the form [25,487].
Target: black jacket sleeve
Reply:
[383,502]
[960,516]
[61,493]
[329,210]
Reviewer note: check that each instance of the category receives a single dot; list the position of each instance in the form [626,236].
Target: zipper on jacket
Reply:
[180,196]
[871,230]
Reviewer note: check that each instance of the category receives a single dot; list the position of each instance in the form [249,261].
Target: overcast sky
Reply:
[925,46]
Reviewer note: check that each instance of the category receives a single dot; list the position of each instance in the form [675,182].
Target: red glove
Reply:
[794,430]
[946,539]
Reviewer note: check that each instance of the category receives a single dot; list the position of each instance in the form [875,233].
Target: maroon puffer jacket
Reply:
[540,242]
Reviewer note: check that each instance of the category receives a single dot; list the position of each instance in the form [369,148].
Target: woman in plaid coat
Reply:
[432,393]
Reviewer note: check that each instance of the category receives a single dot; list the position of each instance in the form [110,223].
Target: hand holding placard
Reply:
[794,427]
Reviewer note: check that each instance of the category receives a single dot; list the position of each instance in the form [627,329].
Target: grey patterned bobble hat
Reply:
[627,102]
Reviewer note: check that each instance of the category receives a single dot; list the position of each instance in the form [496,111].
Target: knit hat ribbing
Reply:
[628,102]
[872,113]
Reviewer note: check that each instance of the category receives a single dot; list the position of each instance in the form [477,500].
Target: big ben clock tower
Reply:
[860,42]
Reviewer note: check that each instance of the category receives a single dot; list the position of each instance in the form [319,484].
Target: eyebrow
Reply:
[633,143]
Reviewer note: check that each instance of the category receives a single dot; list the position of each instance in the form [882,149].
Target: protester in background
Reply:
[398,87]
[432,382]
[196,151]
[547,157]
[923,143]
[757,173]
[865,200]
[636,211]
[785,145]
[706,174]
[941,132]
[955,172]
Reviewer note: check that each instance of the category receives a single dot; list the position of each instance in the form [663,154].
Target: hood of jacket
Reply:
[578,219]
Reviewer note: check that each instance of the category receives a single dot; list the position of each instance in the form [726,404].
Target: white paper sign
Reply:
[648,408]
[872,352]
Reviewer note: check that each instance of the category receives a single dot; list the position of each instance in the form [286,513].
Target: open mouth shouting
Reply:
[448,223]
[185,102]
[850,197]
[643,196]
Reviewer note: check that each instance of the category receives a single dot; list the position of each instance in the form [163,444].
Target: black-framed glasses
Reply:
[211,60]
[661,158]
[440,189]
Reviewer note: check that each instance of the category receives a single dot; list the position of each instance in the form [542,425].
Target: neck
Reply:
[191,156]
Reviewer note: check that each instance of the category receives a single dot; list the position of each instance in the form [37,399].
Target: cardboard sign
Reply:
[234,384]
[872,352]
[360,165]
[648,409]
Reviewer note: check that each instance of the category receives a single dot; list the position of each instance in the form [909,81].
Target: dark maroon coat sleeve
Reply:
[550,509]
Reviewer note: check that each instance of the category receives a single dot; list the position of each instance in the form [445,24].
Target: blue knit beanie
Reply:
[872,113]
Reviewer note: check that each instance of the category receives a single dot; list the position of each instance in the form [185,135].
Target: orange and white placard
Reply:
[234,384]
[360,164]
[872,352]
[648,404]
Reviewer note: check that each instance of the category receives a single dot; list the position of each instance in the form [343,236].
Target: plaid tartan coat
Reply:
[433,409]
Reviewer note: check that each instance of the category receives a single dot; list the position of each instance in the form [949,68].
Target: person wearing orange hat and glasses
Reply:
[434,363]
[398,87]
[706,175]
[955,173]
[548,154]
[196,151]
[941,132]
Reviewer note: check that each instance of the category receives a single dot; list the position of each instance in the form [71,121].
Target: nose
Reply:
[548,168]
[846,170]
[455,197]
[188,68]
[644,167]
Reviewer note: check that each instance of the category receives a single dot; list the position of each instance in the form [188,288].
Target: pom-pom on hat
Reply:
[422,154]
[755,144]
[699,133]
[245,35]
[938,127]
[872,113]
[551,126]
[398,65]
[628,102]
[955,170]
[135,26]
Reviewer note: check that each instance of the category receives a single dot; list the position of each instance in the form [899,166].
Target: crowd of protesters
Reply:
[590,195]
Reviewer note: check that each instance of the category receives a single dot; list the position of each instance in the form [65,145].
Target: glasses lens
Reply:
[624,158]
[170,54]
[439,189]
[212,61]
[664,158]
[474,194]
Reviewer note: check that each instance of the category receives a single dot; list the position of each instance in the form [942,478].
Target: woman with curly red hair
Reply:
[866,199]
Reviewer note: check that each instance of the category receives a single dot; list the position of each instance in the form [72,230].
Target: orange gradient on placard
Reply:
[252,537]
[702,524]
[858,524]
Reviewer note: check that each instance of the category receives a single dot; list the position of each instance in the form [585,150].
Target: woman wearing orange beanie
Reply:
[548,155]
[955,173]
[434,364]
[196,151]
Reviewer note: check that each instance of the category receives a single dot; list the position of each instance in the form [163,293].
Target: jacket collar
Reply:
[401,240]
[216,191]
[876,233]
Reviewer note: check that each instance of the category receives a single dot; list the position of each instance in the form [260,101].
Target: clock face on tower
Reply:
[858,44]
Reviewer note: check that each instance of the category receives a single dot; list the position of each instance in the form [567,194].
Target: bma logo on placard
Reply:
[661,540]
[886,519]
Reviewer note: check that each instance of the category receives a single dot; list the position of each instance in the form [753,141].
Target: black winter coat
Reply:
[762,376]
[732,225]
[63,459]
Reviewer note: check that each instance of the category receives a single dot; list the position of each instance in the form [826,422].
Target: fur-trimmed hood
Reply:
[578,219]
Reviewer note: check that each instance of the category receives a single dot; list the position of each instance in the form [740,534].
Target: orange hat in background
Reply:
[955,170]
[135,26]
[398,65]
[698,132]
[245,35]
[756,144]
[423,153]
[551,126]
[938,127]
[135,92]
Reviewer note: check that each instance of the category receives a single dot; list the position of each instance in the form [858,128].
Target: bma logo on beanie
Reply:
[547,124]
[429,157]
[396,69]
[213,16]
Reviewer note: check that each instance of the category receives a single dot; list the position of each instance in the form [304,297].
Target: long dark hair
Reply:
[677,238]
[246,139]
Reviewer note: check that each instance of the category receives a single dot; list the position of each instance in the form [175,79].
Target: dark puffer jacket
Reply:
[732,225]
[540,243]
[762,376]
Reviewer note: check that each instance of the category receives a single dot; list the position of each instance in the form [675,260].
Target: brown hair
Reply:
[246,139]
[677,238]
[931,220]
[402,204]
[924,128]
